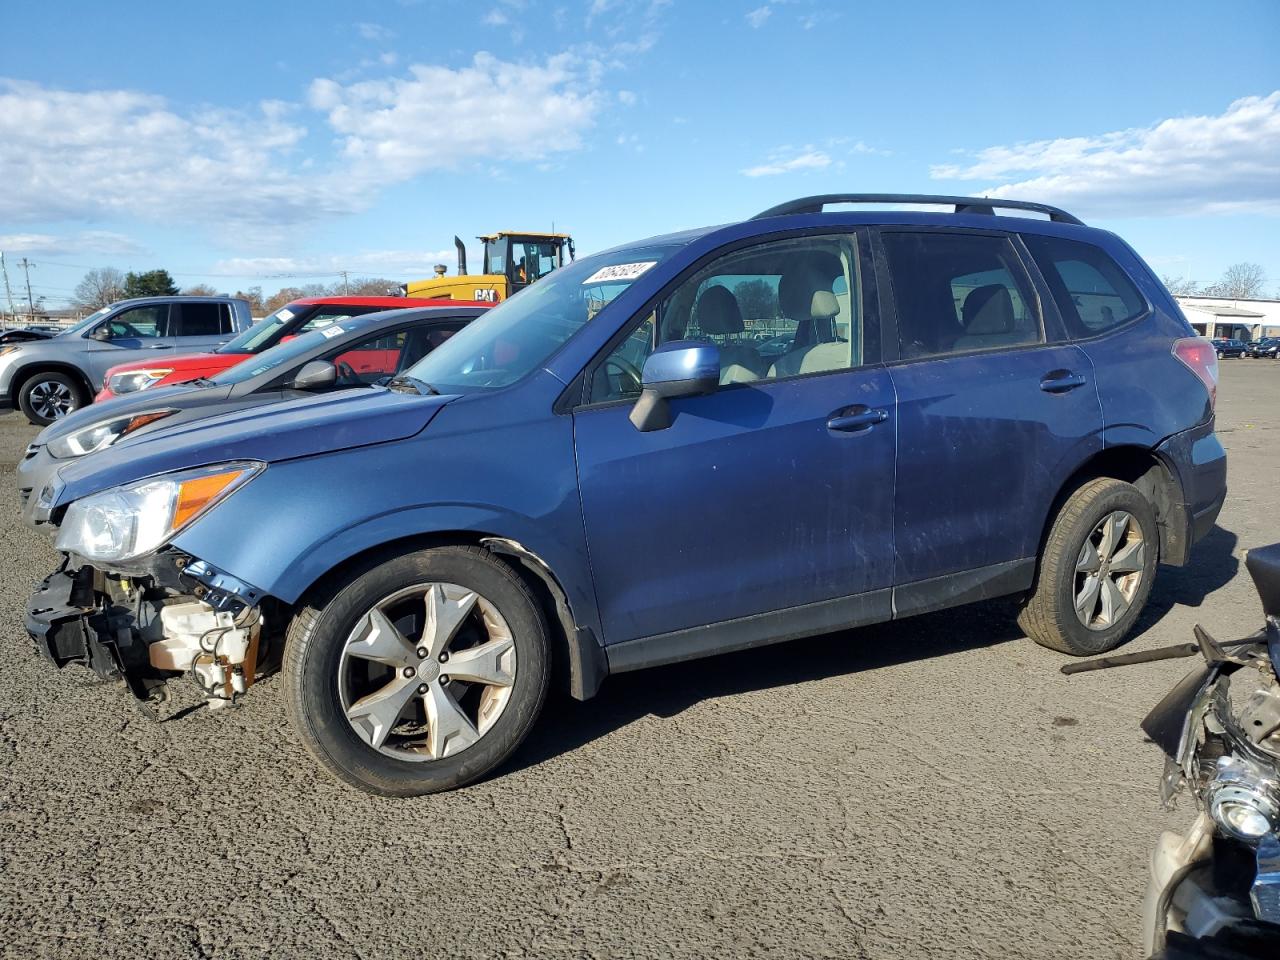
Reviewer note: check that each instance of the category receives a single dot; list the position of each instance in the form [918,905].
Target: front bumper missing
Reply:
[145,631]
[69,626]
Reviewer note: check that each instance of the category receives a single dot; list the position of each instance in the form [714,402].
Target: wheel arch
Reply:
[578,660]
[1151,474]
[26,372]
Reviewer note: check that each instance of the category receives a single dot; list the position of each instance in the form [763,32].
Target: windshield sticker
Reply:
[284,313]
[619,271]
[330,332]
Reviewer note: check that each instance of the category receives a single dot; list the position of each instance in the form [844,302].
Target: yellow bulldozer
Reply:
[512,261]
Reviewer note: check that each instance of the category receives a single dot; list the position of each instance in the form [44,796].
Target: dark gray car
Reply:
[48,379]
[364,351]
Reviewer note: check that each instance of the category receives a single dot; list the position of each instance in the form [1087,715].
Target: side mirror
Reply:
[314,375]
[681,368]
[101,332]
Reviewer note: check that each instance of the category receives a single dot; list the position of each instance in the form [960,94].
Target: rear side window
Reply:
[957,293]
[202,319]
[1093,293]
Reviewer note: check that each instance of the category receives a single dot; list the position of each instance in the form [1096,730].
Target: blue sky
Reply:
[252,144]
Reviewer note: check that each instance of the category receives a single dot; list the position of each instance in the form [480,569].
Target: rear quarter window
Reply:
[1092,291]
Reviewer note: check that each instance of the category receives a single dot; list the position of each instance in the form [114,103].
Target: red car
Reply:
[309,313]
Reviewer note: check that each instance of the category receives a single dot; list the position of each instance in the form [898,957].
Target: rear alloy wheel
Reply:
[1095,571]
[420,675]
[46,397]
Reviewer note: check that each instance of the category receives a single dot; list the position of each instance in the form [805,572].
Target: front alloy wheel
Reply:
[427,672]
[420,674]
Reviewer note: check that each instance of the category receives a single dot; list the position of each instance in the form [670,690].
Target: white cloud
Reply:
[806,159]
[111,153]
[1229,162]
[758,16]
[495,18]
[417,262]
[626,97]
[492,110]
[120,154]
[85,241]
[375,31]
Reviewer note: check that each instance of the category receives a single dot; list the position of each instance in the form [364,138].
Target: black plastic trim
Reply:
[979,205]
[967,586]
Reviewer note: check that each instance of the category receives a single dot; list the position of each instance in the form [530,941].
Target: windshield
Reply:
[521,333]
[88,321]
[278,356]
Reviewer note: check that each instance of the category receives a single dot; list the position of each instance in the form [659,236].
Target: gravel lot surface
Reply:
[931,788]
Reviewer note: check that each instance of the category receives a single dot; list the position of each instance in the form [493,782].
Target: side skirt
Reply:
[825,616]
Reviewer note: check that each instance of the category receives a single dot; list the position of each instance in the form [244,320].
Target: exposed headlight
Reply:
[131,381]
[1243,799]
[136,519]
[96,436]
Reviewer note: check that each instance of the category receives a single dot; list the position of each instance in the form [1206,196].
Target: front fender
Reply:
[300,519]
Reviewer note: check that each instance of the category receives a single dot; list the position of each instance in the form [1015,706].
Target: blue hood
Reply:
[281,431]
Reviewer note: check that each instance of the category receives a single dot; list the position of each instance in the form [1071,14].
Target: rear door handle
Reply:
[857,418]
[1060,381]
[161,346]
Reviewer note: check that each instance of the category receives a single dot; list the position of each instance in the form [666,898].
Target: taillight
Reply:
[1202,360]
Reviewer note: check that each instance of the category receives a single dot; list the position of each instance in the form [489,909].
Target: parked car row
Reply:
[1265,348]
[427,517]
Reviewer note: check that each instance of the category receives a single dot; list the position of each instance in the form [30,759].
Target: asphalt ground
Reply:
[932,788]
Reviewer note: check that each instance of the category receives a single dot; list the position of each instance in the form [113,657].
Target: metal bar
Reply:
[979,205]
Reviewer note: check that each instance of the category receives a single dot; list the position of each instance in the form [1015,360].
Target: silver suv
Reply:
[47,379]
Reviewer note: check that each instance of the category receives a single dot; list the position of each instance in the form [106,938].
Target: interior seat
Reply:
[827,354]
[988,318]
[718,315]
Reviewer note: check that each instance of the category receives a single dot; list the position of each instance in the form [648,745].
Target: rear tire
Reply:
[445,732]
[1095,570]
[49,396]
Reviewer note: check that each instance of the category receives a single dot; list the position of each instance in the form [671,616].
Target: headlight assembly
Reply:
[138,518]
[1243,799]
[131,381]
[102,434]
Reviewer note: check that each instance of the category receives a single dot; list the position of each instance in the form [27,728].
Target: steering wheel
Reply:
[628,370]
[347,372]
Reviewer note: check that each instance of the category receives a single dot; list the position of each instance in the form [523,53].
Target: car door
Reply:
[136,333]
[200,327]
[994,412]
[774,493]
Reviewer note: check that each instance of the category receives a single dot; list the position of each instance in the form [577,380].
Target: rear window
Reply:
[201,319]
[1092,291]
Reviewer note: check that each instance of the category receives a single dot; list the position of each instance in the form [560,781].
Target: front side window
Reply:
[957,293]
[149,321]
[1092,292]
[533,260]
[779,309]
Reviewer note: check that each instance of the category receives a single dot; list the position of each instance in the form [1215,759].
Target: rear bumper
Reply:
[1199,464]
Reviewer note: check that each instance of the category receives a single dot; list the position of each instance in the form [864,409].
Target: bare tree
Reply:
[367,287]
[1242,281]
[1180,287]
[201,290]
[100,287]
[254,295]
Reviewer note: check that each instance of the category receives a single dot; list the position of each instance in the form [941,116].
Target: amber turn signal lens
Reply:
[194,495]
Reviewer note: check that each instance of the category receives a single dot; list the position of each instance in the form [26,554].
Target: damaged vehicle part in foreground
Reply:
[1215,891]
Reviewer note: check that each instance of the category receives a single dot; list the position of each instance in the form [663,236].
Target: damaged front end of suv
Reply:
[130,607]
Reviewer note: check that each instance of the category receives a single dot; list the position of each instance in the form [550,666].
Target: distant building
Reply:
[1225,318]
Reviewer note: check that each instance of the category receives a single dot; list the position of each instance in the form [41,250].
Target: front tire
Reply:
[1095,570]
[419,675]
[46,397]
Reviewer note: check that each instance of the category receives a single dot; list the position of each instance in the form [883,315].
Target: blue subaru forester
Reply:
[807,421]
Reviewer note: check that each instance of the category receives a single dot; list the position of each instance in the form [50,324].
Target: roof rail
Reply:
[983,205]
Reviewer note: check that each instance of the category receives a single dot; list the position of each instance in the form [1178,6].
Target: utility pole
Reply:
[8,293]
[344,283]
[26,269]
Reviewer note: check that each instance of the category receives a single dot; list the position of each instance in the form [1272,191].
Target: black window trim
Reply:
[1143,314]
[1052,329]
[872,312]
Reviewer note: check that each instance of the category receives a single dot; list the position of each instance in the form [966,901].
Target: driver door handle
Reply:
[161,346]
[1060,381]
[857,418]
